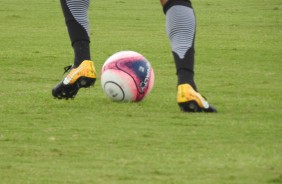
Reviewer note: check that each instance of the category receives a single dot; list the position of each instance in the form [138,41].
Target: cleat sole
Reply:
[192,106]
[62,91]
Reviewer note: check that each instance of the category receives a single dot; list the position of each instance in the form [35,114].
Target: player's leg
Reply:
[181,28]
[82,72]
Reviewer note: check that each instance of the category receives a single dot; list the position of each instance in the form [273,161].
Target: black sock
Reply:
[81,52]
[185,68]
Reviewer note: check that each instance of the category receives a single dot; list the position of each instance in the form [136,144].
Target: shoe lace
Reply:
[67,68]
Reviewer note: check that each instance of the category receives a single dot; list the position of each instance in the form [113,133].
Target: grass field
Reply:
[93,140]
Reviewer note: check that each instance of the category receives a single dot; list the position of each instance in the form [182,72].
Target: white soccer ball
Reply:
[127,76]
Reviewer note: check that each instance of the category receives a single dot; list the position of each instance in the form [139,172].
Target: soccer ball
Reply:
[127,76]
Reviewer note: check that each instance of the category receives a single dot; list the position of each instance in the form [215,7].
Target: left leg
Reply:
[76,19]
[82,73]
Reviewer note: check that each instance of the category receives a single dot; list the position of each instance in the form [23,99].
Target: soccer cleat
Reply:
[191,101]
[83,76]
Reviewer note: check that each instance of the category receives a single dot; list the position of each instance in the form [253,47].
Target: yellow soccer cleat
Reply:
[83,76]
[191,101]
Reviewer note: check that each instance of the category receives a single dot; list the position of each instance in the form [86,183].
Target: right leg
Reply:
[181,28]
[82,73]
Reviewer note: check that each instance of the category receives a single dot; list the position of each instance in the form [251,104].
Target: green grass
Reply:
[93,140]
